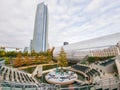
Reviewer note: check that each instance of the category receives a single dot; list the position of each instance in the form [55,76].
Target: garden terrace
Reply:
[13,75]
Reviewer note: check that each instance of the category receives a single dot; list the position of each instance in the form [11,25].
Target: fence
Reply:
[107,84]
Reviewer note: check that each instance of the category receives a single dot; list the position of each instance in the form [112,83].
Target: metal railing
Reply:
[110,84]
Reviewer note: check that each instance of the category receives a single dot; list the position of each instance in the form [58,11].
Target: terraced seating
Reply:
[87,70]
[18,77]
[81,68]
[26,78]
[105,63]
[93,73]
[13,75]
[10,77]
[2,69]
[90,74]
[96,72]
[22,77]
[0,66]
[5,73]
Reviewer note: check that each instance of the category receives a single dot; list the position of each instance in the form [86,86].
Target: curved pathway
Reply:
[24,67]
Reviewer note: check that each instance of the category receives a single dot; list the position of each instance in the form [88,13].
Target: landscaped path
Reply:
[24,67]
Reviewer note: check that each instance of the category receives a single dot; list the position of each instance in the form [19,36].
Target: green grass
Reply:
[93,59]
[1,59]
[47,67]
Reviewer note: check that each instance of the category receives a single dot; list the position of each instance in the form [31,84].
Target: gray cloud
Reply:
[17,22]
[83,19]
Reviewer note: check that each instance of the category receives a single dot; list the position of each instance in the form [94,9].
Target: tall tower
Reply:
[40,37]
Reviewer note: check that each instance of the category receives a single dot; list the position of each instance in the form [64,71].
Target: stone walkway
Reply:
[24,67]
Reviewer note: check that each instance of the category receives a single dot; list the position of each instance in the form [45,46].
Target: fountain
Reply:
[61,76]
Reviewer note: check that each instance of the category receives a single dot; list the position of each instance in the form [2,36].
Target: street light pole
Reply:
[117,46]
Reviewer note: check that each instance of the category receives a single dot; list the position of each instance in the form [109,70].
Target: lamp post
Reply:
[118,46]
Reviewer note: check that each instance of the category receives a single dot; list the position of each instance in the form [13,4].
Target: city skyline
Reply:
[69,20]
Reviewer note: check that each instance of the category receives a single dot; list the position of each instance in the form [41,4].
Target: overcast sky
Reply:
[69,20]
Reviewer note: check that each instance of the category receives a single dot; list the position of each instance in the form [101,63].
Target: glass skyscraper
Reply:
[40,37]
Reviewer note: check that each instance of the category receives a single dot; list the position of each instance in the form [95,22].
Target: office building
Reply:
[40,37]
[65,43]
[26,49]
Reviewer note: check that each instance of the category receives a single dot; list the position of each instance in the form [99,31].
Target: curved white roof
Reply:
[108,40]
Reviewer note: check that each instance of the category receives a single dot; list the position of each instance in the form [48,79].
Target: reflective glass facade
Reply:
[40,37]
